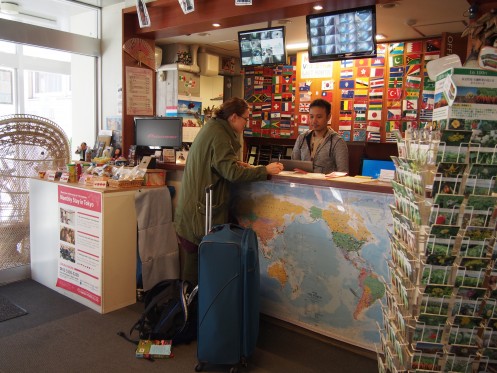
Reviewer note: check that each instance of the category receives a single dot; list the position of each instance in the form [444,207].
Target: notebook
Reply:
[291,164]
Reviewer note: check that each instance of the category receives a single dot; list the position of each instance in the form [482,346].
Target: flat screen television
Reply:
[159,132]
[343,34]
[264,46]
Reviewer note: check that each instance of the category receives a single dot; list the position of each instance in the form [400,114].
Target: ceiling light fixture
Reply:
[297,46]
[391,5]
[216,24]
[317,7]
[380,37]
[9,8]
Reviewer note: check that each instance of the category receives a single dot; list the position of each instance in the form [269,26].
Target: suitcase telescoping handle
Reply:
[208,208]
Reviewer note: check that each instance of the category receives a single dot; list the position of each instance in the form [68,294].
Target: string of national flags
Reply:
[375,95]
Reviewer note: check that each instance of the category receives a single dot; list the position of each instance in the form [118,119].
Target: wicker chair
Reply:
[28,144]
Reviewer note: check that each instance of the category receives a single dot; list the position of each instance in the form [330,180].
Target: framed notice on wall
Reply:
[139,91]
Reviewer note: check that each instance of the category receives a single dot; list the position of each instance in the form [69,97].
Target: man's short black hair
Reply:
[319,102]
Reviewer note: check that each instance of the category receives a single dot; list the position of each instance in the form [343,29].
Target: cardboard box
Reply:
[155,177]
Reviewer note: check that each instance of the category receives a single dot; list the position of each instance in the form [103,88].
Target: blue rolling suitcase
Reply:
[228,296]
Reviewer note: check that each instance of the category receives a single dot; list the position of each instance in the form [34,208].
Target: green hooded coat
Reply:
[212,160]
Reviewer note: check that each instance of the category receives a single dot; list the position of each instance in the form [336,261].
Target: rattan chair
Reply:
[28,144]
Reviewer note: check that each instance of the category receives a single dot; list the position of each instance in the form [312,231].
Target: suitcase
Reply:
[228,296]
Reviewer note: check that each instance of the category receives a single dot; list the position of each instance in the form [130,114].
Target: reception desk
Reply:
[323,248]
[84,242]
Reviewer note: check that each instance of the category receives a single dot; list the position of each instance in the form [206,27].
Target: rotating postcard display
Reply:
[440,312]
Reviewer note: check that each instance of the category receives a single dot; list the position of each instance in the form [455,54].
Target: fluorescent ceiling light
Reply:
[380,37]
[297,46]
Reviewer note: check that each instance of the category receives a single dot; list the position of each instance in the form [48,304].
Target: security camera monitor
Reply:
[262,47]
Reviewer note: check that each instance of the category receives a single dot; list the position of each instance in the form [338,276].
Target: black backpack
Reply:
[170,313]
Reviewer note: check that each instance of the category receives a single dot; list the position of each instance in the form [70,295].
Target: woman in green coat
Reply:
[213,160]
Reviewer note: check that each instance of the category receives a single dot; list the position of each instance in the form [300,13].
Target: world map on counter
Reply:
[323,256]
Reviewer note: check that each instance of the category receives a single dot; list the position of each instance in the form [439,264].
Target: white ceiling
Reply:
[425,17]
[408,19]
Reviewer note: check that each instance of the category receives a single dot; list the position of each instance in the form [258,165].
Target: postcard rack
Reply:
[440,308]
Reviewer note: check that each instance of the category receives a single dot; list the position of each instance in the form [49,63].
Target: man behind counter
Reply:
[322,145]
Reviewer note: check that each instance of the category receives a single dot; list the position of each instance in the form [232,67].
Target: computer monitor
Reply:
[373,167]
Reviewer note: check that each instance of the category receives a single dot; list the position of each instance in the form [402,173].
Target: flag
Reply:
[277,79]
[304,107]
[345,116]
[361,62]
[286,107]
[373,136]
[378,61]
[397,72]
[432,56]
[363,72]
[286,97]
[304,118]
[305,96]
[381,49]
[394,93]
[426,115]
[433,45]
[360,125]
[414,70]
[410,104]
[305,86]
[360,116]
[346,84]
[374,114]
[410,114]
[326,85]
[414,47]
[394,103]
[346,74]
[413,81]
[397,60]
[346,64]
[373,105]
[277,97]
[361,83]
[376,93]
[394,82]
[359,135]
[266,106]
[347,93]
[345,126]
[361,93]
[394,114]
[376,72]
[277,88]
[377,83]
[396,48]
[413,59]
[412,93]
[373,126]
[275,115]
[327,95]
[345,135]
[346,105]
[392,125]
[360,106]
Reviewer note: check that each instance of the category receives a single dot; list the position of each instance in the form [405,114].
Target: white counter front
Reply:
[83,243]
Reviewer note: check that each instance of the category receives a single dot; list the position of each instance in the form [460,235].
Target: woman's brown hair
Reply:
[231,106]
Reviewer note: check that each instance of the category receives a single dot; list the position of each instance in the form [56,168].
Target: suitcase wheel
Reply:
[199,367]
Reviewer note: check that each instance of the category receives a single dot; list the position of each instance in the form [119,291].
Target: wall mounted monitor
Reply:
[161,132]
[264,46]
[343,34]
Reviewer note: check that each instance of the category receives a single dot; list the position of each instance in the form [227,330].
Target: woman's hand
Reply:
[274,168]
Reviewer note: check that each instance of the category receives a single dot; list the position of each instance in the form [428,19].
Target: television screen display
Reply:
[342,34]
[262,47]
[163,132]
[373,167]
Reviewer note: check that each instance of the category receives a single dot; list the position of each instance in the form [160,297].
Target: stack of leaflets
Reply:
[154,349]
